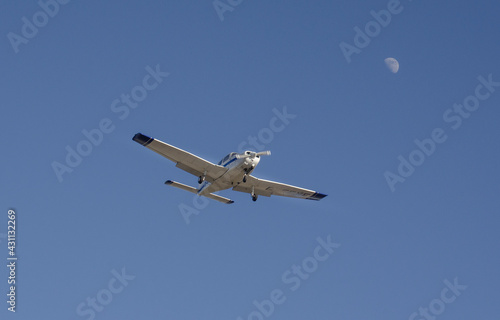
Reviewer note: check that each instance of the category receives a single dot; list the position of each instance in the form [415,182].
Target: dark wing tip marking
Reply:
[169,182]
[230,201]
[317,196]
[142,139]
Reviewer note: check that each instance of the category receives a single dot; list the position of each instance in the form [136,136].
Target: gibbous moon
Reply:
[392,64]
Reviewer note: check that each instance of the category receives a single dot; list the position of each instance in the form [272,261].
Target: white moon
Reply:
[392,64]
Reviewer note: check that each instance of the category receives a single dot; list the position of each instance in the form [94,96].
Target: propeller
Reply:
[251,154]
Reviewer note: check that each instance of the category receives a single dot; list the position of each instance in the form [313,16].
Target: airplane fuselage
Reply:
[237,167]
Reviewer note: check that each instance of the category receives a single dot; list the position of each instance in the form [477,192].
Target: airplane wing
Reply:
[183,159]
[268,188]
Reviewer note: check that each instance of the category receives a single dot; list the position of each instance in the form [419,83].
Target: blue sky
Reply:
[108,230]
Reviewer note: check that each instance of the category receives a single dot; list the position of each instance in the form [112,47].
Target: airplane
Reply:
[233,171]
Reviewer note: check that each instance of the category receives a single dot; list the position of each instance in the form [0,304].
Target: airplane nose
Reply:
[252,161]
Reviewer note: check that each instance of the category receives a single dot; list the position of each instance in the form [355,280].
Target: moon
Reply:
[392,64]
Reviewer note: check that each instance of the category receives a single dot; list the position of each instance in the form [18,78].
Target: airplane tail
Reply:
[195,191]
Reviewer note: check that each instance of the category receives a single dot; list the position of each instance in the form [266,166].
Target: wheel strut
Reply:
[254,196]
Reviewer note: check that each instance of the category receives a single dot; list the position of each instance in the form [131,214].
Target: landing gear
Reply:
[201,179]
[247,172]
[254,196]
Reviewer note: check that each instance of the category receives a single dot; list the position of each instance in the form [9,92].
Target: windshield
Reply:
[226,158]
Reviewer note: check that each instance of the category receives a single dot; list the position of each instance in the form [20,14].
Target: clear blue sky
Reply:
[400,250]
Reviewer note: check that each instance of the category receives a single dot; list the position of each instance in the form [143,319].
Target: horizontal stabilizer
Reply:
[195,191]
[181,186]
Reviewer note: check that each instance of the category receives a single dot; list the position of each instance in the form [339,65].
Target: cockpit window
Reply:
[226,158]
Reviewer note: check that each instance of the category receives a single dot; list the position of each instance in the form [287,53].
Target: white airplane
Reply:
[233,171]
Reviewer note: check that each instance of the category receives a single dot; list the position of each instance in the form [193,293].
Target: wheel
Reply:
[244,179]
[201,179]
[254,198]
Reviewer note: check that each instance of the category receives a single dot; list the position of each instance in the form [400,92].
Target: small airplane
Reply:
[233,171]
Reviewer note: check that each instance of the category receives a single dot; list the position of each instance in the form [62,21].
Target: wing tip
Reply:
[230,201]
[317,196]
[142,139]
